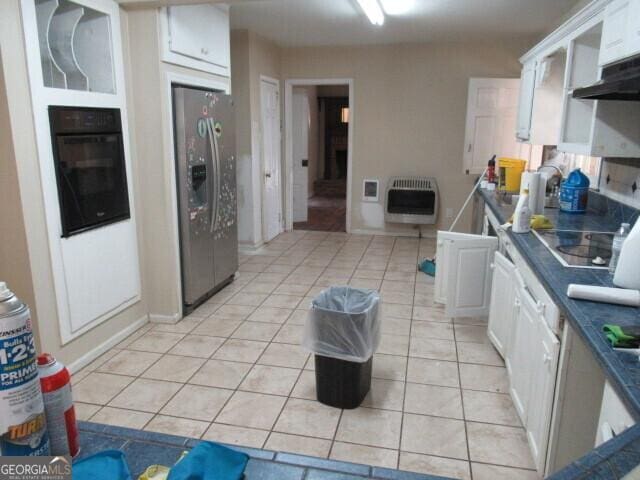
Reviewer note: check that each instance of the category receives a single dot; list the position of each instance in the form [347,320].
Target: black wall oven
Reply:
[90,167]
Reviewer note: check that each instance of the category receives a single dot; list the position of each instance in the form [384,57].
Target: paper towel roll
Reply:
[619,296]
[534,182]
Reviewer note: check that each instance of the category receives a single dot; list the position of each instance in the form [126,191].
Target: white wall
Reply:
[409,112]
[252,56]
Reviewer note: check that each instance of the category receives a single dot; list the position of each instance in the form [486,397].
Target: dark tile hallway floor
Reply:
[325,214]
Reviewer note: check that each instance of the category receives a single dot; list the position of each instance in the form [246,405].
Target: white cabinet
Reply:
[598,128]
[614,32]
[492,106]
[545,355]
[519,358]
[463,276]
[633,28]
[502,306]
[614,416]
[525,102]
[197,36]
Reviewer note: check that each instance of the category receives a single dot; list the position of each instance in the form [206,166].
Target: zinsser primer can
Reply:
[23,429]
[55,383]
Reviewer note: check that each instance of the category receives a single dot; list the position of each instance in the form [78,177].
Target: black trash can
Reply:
[342,384]
[343,332]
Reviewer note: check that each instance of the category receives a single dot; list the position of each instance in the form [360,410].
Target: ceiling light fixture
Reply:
[372,10]
[397,7]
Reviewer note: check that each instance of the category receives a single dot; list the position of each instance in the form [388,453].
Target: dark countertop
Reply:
[587,318]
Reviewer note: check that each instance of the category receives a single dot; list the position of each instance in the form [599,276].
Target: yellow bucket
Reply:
[509,174]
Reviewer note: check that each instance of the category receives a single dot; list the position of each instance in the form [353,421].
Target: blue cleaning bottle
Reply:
[574,192]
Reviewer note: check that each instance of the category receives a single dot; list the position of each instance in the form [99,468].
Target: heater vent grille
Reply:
[412,200]
[412,183]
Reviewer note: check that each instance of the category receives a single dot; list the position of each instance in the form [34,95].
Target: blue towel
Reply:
[210,461]
[107,465]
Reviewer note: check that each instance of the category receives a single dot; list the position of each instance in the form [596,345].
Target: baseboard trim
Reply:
[249,248]
[384,233]
[156,318]
[91,355]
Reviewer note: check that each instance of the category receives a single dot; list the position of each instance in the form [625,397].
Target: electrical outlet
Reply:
[448,213]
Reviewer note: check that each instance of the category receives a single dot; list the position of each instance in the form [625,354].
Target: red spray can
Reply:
[55,383]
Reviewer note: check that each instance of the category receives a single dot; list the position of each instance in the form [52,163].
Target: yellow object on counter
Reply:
[158,472]
[155,472]
[509,174]
[538,222]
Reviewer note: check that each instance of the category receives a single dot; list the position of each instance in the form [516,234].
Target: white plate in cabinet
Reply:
[197,36]
[614,32]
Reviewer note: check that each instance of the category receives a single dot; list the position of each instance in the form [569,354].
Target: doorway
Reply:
[319,126]
[270,168]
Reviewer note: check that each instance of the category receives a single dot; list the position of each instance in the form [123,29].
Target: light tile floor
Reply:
[234,371]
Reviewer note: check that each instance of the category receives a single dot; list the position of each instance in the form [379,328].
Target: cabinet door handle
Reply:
[204,51]
[492,266]
[546,358]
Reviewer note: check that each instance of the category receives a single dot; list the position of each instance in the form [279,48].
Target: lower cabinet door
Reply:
[545,365]
[501,309]
[519,356]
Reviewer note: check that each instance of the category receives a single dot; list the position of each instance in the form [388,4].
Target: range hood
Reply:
[620,81]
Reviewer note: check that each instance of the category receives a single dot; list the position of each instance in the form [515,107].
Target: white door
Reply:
[525,100]
[492,107]
[501,310]
[544,366]
[300,142]
[463,273]
[519,359]
[271,159]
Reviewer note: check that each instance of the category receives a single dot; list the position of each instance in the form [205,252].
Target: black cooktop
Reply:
[579,249]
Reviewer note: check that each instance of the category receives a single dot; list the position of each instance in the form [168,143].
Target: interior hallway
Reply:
[325,214]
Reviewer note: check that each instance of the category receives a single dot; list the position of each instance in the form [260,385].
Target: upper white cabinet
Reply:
[572,57]
[492,107]
[525,105]
[614,31]
[197,36]
[633,28]
[621,31]
[547,98]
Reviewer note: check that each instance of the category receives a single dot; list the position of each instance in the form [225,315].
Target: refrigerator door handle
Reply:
[214,173]
[218,174]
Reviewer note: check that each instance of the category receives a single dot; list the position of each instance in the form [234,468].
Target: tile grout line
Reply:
[464,416]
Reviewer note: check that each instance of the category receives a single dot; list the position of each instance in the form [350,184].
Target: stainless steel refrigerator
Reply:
[206,186]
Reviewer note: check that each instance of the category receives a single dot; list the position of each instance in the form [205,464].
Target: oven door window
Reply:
[92,181]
